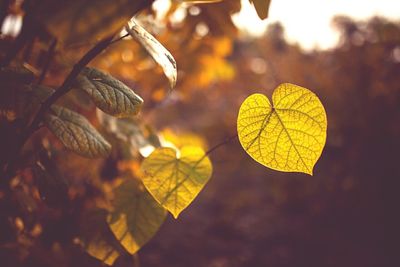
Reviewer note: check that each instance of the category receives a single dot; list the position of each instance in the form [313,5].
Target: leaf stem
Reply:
[49,57]
[226,141]
[120,38]
[62,90]
[67,84]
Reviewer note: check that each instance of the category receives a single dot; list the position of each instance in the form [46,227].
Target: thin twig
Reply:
[27,52]
[62,90]
[272,71]
[49,57]
[120,38]
[226,141]
[211,150]
[67,84]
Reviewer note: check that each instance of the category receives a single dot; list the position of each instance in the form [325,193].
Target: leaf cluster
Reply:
[157,177]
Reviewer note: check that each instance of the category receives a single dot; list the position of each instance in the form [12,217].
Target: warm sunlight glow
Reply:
[308,22]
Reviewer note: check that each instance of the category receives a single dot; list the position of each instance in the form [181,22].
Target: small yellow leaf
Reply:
[96,237]
[182,138]
[288,136]
[175,178]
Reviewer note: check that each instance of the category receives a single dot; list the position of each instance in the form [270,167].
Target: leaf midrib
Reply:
[291,140]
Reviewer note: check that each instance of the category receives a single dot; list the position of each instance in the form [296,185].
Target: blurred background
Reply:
[348,53]
[248,215]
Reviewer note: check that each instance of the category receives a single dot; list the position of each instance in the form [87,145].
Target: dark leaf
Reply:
[76,132]
[108,93]
[130,133]
[52,186]
[77,21]
[262,7]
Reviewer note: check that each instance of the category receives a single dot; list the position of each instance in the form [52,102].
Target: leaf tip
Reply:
[137,106]
[107,148]
[309,171]
[175,214]
[261,7]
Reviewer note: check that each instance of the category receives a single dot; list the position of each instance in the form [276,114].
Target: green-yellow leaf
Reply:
[175,178]
[108,93]
[262,7]
[286,136]
[136,216]
[76,132]
[96,237]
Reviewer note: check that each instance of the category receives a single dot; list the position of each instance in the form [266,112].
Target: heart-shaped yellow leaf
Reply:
[175,178]
[286,136]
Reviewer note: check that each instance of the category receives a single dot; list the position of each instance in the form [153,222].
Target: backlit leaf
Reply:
[288,136]
[136,216]
[157,51]
[175,178]
[76,132]
[108,93]
[262,7]
[182,138]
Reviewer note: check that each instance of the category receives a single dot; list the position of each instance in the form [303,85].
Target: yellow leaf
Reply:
[182,138]
[288,136]
[175,178]
[96,237]
[136,216]
[103,252]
